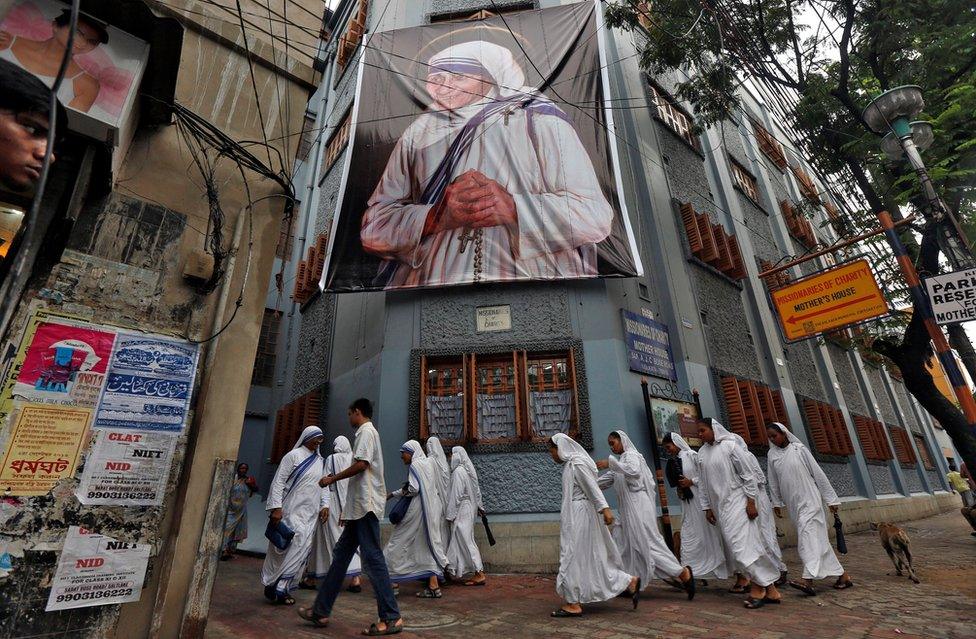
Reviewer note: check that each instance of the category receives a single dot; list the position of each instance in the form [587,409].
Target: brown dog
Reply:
[899,548]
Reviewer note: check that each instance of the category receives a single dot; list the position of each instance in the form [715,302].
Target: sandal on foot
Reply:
[804,588]
[753,604]
[428,593]
[674,583]
[783,578]
[844,585]
[391,629]
[635,596]
[472,582]
[286,600]
[738,590]
[689,586]
[308,614]
[560,613]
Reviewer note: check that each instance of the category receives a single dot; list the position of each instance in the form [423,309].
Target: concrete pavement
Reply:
[516,606]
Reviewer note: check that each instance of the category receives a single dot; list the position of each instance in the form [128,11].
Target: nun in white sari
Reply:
[767,521]
[642,547]
[296,499]
[487,138]
[701,543]
[437,456]
[327,532]
[590,567]
[416,551]
[462,508]
[728,496]
[797,481]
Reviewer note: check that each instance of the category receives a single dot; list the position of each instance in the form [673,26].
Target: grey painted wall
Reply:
[841,478]
[847,379]
[882,480]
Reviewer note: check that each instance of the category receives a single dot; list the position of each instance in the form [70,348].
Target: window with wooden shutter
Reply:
[769,145]
[827,428]
[798,225]
[690,220]
[351,37]
[737,268]
[745,181]
[751,406]
[873,441]
[807,186]
[291,419]
[903,446]
[923,452]
[711,243]
[673,116]
[773,281]
[443,411]
[337,142]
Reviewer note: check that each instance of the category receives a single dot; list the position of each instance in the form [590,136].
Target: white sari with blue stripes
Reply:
[295,489]
[416,549]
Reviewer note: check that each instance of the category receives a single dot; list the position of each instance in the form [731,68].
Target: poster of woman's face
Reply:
[105,64]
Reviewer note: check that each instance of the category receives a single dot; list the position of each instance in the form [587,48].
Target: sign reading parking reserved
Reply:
[953,296]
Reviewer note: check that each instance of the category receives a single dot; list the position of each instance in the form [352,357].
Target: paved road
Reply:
[516,606]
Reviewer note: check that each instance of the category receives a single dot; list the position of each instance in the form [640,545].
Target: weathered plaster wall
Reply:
[881,477]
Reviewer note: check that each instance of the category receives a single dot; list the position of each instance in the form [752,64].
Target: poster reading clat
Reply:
[481,153]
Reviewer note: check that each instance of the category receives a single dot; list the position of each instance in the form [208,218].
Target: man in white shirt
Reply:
[365,503]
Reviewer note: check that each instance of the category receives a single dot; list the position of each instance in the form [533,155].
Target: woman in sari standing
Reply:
[235,524]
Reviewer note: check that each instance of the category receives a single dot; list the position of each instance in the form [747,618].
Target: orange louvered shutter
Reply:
[864,433]
[709,252]
[738,268]
[690,219]
[780,408]
[298,293]
[724,261]
[733,405]
[845,437]
[818,432]
[754,417]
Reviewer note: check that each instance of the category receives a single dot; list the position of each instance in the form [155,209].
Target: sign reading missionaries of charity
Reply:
[648,346]
[493,318]
[953,296]
[480,152]
[829,300]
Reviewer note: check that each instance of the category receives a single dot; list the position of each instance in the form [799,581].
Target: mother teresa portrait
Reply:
[490,183]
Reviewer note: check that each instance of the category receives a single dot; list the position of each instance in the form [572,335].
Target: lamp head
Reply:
[922,136]
[903,102]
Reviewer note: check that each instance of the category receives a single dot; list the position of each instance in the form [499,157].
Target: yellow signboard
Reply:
[43,448]
[829,300]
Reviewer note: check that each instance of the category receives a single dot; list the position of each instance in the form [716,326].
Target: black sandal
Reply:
[635,598]
[689,586]
[562,614]
[754,604]
[738,589]
[804,588]
[286,600]
[428,593]
[308,614]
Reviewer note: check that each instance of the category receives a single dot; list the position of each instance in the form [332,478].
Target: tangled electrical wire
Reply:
[208,145]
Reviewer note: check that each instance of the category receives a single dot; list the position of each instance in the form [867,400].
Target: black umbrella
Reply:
[491,537]
[839,527]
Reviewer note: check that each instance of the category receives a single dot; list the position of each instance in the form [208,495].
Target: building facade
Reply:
[709,212]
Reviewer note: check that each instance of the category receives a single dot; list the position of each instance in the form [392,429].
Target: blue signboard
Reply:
[648,346]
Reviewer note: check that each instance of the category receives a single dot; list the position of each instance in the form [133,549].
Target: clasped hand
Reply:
[474,201]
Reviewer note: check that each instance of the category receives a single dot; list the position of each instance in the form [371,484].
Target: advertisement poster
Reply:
[648,346]
[481,153]
[127,468]
[95,570]
[106,64]
[676,417]
[43,448]
[149,384]
[64,364]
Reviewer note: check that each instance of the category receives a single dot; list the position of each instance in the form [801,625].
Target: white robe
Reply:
[462,553]
[326,535]
[539,160]
[702,547]
[767,519]
[642,547]
[300,500]
[727,482]
[798,482]
[435,453]
[590,567]
[415,549]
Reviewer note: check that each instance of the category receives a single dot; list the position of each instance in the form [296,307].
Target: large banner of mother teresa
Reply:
[481,152]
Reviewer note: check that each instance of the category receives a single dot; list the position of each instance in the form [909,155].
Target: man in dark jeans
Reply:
[365,503]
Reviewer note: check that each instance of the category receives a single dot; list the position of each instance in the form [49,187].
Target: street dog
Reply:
[896,543]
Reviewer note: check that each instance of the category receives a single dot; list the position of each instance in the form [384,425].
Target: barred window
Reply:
[676,118]
[264,360]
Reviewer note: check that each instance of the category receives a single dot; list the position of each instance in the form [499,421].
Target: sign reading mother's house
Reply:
[481,153]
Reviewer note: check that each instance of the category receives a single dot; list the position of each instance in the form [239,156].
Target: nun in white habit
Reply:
[797,481]
[416,551]
[729,495]
[590,567]
[642,547]
[295,498]
[437,456]
[327,532]
[462,507]
[701,543]
[767,521]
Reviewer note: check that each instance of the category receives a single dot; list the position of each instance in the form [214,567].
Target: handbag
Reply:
[280,535]
[399,510]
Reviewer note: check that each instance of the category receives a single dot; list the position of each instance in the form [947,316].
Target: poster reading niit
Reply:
[481,152]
